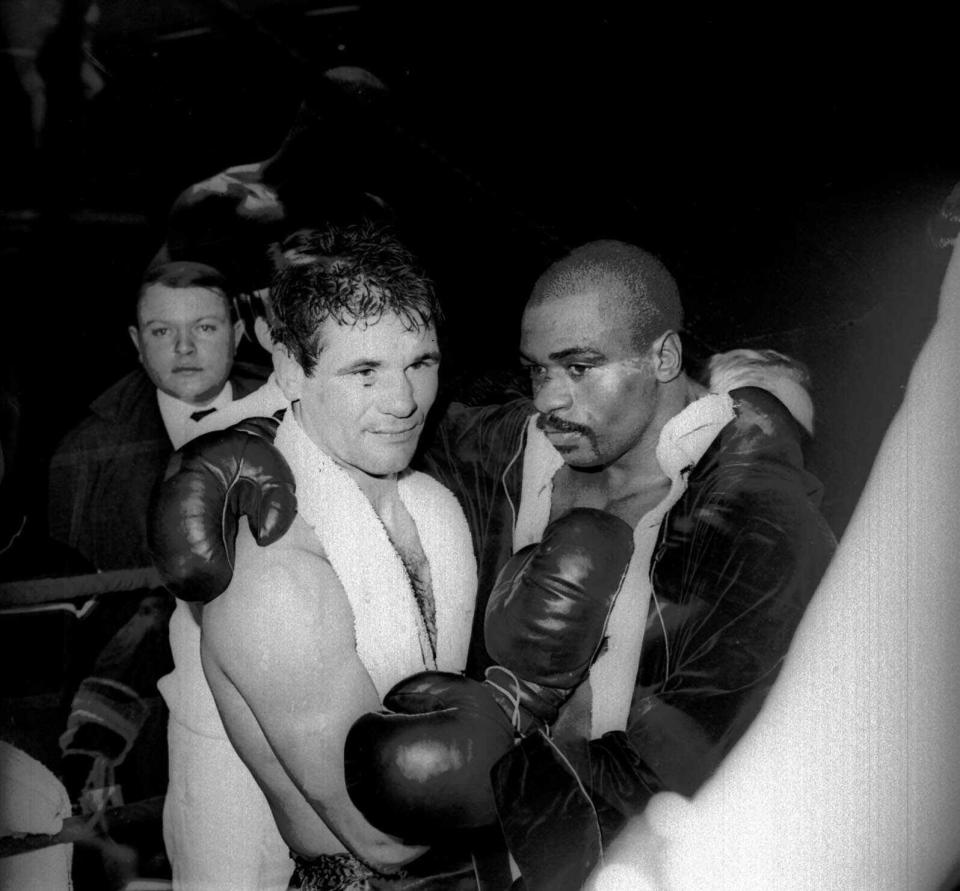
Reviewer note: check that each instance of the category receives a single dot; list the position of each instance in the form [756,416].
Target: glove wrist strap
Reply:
[529,706]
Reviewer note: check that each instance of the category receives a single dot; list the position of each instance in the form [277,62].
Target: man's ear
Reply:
[261,329]
[238,331]
[667,356]
[135,337]
[290,375]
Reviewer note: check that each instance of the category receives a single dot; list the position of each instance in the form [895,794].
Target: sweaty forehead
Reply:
[590,319]
[385,338]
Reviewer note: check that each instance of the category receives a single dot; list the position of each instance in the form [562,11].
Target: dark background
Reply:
[783,166]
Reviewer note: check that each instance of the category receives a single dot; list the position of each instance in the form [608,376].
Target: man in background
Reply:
[103,471]
[101,479]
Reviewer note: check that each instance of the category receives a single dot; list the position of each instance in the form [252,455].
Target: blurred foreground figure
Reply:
[849,777]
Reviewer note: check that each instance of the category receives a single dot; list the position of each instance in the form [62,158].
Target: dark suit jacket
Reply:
[103,472]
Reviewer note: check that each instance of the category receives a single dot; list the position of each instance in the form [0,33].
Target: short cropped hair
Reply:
[348,273]
[635,278]
[186,274]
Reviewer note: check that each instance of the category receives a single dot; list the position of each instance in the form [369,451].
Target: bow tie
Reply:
[202,413]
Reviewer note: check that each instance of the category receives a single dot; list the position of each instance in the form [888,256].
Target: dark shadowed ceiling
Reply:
[784,166]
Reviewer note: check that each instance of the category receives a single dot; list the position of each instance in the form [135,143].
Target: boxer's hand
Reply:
[209,484]
[420,768]
[548,611]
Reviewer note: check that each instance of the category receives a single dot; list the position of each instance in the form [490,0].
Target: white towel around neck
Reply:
[390,632]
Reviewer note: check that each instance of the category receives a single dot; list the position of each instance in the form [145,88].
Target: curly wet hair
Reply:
[349,273]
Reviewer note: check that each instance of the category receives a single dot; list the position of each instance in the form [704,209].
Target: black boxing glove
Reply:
[209,484]
[547,614]
[420,768]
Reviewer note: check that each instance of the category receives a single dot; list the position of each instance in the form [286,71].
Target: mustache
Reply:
[559,425]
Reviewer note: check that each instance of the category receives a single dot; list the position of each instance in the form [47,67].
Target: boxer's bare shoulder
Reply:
[280,595]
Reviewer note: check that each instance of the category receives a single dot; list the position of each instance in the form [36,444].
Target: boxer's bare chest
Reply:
[629,499]
[403,535]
